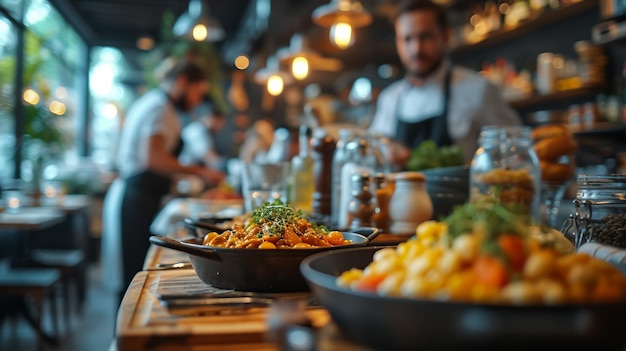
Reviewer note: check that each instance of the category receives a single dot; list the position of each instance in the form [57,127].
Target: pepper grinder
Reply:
[360,209]
[323,148]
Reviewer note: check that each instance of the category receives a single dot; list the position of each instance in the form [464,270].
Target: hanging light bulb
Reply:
[342,16]
[303,59]
[300,68]
[196,24]
[341,35]
[272,77]
[199,32]
[275,85]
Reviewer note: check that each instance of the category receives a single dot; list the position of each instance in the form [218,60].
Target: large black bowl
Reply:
[388,323]
[256,270]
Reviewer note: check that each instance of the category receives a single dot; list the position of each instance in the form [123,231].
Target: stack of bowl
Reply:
[447,188]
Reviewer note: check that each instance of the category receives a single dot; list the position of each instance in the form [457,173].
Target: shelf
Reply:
[601,129]
[537,102]
[530,25]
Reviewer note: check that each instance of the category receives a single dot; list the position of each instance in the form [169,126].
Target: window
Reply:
[8,43]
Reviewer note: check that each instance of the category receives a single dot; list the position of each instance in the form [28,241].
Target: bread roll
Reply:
[554,147]
[556,172]
[549,130]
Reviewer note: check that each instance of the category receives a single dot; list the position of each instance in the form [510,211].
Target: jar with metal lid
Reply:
[599,211]
[506,168]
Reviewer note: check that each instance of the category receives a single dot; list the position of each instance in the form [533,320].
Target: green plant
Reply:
[203,53]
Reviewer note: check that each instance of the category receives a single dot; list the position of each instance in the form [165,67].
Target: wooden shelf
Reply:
[537,102]
[601,129]
[530,25]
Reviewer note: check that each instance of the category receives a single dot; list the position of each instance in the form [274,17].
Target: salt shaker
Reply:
[360,209]
[410,204]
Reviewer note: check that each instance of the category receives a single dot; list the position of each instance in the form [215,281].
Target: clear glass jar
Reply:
[599,211]
[505,167]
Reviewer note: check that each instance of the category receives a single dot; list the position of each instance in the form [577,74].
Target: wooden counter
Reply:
[144,324]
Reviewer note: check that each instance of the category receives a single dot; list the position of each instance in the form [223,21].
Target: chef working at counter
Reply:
[149,145]
[436,100]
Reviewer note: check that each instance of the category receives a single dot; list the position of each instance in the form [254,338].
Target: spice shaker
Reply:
[410,204]
[360,209]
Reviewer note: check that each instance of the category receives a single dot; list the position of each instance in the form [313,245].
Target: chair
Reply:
[71,265]
[18,284]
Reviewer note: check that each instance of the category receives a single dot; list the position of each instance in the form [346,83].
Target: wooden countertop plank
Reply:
[144,324]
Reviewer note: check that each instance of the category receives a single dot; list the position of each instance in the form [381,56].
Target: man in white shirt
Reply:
[147,159]
[435,100]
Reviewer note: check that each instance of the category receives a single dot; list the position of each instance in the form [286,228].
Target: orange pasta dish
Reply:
[275,226]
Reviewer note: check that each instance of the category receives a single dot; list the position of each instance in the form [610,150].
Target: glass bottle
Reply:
[506,168]
[339,160]
[302,183]
[359,159]
[599,211]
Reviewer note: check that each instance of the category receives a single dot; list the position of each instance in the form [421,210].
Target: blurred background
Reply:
[70,69]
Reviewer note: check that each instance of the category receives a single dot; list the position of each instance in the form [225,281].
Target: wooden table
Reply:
[31,218]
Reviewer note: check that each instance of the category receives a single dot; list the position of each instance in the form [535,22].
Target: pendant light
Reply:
[272,77]
[302,59]
[196,24]
[342,17]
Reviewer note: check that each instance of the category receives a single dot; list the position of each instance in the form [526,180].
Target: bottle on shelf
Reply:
[302,182]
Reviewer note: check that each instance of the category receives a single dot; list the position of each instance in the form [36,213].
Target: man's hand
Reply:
[397,154]
[210,176]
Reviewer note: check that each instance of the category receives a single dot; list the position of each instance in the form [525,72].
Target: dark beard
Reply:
[426,74]
[180,103]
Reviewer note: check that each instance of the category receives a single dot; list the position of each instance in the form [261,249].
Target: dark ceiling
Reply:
[119,23]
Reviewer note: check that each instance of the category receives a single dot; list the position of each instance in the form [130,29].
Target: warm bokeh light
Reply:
[61,92]
[30,97]
[275,85]
[300,68]
[145,43]
[109,111]
[199,32]
[57,107]
[242,62]
[341,35]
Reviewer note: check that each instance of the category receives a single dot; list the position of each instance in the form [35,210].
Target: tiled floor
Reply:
[92,331]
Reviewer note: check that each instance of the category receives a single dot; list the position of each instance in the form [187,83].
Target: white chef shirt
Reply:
[152,114]
[474,102]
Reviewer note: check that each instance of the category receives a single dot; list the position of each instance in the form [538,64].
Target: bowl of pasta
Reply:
[264,253]
[475,280]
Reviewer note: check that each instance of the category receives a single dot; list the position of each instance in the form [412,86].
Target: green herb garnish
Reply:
[274,217]
[489,218]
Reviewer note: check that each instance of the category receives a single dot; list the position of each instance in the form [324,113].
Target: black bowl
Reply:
[390,323]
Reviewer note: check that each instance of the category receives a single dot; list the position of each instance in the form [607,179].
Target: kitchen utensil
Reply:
[255,269]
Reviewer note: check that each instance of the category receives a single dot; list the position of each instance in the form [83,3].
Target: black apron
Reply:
[435,128]
[140,204]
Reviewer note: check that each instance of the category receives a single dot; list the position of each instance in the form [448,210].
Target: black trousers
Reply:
[141,202]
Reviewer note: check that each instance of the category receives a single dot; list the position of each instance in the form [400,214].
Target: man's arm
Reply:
[161,161]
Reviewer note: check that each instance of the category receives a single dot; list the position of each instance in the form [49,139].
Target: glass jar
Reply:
[599,211]
[506,168]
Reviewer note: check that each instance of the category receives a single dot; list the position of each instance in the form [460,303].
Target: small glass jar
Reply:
[599,211]
[506,168]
